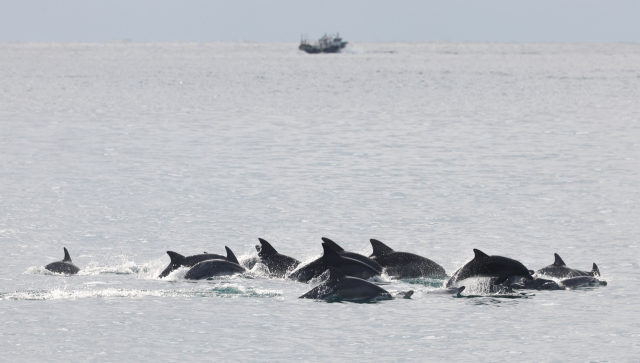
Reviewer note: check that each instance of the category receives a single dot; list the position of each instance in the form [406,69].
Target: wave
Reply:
[223,290]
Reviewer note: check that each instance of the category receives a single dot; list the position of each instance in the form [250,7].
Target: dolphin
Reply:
[404,264]
[521,283]
[582,281]
[178,260]
[483,265]
[356,256]
[330,257]
[210,268]
[448,291]
[341,286]
[278,264]
[559,269]
[63,267]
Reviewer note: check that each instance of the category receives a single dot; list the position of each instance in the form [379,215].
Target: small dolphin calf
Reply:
[483,265]
[63,267]
[582,281]
[404,264]
[178,260]
[278,264]
[521,283]
[356,256]
[558,269]
[210,268]
[330,257]
[341,286]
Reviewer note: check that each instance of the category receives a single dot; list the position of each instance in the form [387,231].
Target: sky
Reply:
[597,21]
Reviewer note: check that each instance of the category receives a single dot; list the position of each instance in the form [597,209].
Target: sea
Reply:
[121,151]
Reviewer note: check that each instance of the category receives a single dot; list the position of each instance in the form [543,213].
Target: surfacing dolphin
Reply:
[558,269]
[356,256]
[278,264]
[210,268]
[521,283]
[581,281]
[404,264]
[483,265]
[341,286]
[178,260]
[63,267]
[330,257]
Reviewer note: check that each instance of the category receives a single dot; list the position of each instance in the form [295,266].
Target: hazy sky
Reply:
[286,20]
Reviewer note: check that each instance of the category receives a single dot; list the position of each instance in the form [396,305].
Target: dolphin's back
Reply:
[65,266]
[60,267]
[558,269]
[210,268]
[483,265]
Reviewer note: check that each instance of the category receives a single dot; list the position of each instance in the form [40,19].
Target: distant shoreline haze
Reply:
[495,21]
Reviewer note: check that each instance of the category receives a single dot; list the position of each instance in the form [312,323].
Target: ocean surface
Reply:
[122,151]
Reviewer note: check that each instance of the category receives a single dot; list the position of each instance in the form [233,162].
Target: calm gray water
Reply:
[120,152]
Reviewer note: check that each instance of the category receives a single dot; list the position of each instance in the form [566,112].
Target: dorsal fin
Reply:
[205,252]
[67,257]
[335,274]
[332,244]
[558,261]
[176,258]
[230,256]
[479,254]
[267,249]
[595,271]
[379,248]
[329,253]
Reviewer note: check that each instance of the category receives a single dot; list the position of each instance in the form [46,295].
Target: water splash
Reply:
[223,290]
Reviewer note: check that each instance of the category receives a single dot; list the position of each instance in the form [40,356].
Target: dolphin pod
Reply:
[348,272]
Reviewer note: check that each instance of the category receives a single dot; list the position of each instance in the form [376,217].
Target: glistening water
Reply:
[122,151]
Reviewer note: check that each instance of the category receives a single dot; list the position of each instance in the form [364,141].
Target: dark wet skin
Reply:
[404,264]
[63,267]
[483,265]
[278,264]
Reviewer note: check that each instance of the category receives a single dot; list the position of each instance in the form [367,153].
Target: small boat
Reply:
[326,44]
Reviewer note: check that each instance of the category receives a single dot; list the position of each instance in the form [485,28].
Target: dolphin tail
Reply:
[266,249]
[595,271]
[379,248]
[230,256]
[558,261]
[176,258]
[67,257]
[406,294]
[332,244]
